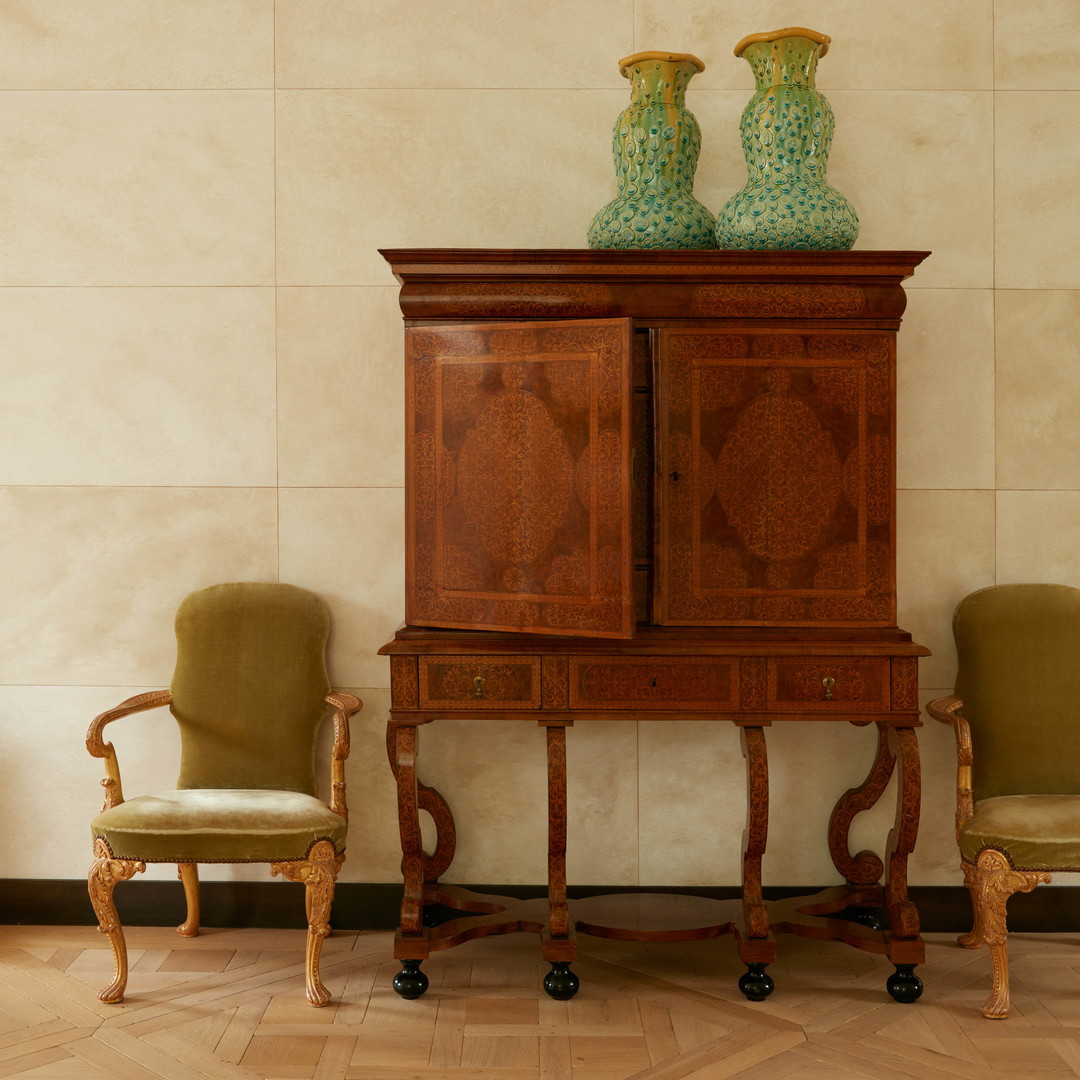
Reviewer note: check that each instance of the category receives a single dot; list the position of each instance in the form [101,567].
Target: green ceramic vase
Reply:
[787,127]
[656,142]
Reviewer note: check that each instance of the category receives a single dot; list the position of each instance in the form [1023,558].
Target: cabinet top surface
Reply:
[413,262]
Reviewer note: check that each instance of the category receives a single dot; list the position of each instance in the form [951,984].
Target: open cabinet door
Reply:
[518,484]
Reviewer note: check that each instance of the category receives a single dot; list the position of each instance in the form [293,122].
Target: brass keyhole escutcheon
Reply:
[828,682]
[478,683]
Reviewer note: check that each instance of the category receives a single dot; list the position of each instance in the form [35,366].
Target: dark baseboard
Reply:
[50,902]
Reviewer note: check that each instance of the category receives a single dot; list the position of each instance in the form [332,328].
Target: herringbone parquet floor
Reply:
[229,1005]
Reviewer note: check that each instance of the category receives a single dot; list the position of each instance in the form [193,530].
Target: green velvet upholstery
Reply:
[249,686]
[219,825]
[1018,651]
[1038,832]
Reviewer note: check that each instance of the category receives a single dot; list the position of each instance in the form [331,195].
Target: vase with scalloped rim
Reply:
[656,142]
[787,128]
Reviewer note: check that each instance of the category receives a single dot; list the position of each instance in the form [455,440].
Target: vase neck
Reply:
[659,82]
[787,61]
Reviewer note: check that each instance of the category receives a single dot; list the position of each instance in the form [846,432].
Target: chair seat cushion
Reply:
[218,825]
[1038,832]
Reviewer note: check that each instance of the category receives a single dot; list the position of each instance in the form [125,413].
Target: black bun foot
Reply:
[904,985]
[755,984]
[410,982]
[560,982]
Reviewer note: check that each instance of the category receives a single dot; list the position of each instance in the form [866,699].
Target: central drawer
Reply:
[664,682]
[479,682]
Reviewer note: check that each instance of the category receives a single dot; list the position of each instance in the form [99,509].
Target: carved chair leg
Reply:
[995,882]
[189,875]
[105,872]
[318,874]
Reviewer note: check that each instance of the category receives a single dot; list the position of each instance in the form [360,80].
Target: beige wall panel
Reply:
[365,169]
[945,389]
[341,404]
[1038,215]
[347,544]
[133,44]
[1037,537]
[810,766]
[452,43]
[91,577]
[137,188]
[882,45]
[60,783]
[692,790]
[1038,393]
[137,386]
[602,845]
[916,166]
[1035,45]
[493,774]
[945,544]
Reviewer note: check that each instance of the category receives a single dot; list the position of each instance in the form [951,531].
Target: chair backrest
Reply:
[249,686]
[1018,648]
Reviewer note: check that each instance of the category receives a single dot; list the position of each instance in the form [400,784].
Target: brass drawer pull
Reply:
[478,683]
[828,682]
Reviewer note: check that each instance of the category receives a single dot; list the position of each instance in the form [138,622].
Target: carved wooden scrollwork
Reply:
[756,834]
[866,867]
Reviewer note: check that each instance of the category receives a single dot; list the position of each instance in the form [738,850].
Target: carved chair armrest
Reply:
[947,710]
[345,705]
[98,748]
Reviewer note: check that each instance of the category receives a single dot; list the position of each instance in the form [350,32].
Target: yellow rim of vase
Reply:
[672,57]
[788,31]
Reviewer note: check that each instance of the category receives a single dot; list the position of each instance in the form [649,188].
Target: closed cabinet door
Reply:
[775,478]
[518,479]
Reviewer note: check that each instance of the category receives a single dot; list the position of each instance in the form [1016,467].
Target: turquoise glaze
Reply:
[787,127]
[656,142]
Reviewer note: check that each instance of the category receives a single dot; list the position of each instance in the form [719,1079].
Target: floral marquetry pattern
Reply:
[555,688]
[515,475]
[778,492]
[518,459]
[905,683]
[404,687]
[753,682]
[530,299]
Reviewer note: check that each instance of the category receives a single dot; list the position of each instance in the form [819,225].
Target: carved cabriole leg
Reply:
[756,833]
[903,915]
[403,761]
[105,872]
[866,867]
[995,882]
[189,875]
[977,935]
[317,873]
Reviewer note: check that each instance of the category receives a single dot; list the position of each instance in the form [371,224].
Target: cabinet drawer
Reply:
[665,682]
[829,684]
[479,682]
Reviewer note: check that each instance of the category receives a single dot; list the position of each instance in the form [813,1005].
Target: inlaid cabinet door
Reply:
[775,479]
[518,510]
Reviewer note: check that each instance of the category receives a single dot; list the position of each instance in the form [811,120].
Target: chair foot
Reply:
[105,872]
[318,874]
[189,875]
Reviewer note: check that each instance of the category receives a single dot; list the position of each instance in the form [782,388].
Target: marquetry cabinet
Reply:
[655,485]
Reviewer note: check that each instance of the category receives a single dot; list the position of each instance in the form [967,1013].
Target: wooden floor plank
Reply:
[206,1015]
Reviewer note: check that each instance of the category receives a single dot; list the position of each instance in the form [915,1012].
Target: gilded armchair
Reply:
[1016,714]
[249,694]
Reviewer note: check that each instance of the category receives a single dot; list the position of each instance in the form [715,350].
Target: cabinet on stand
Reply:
[654,485]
